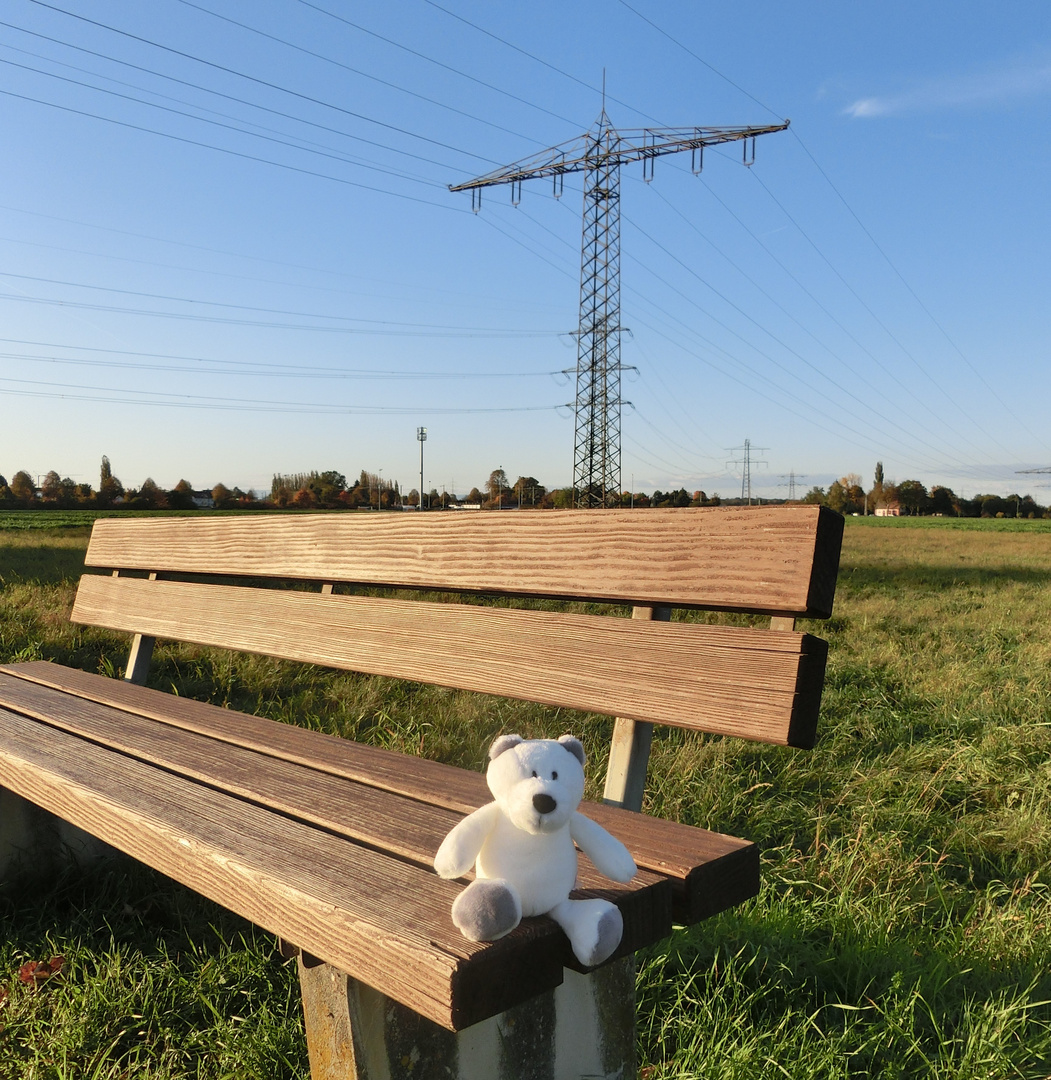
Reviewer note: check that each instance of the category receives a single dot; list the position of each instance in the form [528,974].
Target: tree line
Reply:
[315,490]
[911,498]
[331,490]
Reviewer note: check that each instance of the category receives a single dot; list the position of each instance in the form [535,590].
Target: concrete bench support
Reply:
[583,1028]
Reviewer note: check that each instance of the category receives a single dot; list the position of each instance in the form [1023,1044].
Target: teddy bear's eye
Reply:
[534,774]
[554,776]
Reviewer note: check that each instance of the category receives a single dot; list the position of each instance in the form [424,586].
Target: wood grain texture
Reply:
[724,680]
[665,847]
[395,824]
[777,561]
[380,919]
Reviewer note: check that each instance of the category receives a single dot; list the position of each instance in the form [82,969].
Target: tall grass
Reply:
[904,923]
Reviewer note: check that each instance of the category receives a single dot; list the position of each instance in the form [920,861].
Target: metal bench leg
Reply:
[33,839]
[583,1028]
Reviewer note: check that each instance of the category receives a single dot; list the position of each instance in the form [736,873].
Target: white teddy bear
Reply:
[523,848]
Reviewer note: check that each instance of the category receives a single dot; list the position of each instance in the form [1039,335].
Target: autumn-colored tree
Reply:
[110,488]
[528,491]
[221,495]
[498,489]
[22,487]
[150,496]
[51,488]
[181,496]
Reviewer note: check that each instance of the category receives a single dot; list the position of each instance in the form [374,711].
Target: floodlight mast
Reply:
[598,154]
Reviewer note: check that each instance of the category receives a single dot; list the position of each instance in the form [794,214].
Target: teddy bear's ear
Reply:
[574,746]
[505,742]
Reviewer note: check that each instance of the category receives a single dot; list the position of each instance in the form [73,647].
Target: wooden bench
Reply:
[329,844]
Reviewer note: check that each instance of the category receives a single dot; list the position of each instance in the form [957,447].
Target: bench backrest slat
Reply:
[763,685]
[778,561]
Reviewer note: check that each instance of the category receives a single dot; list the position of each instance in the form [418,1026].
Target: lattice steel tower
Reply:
[598,154]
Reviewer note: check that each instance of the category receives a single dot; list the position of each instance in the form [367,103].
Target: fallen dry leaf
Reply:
[39,971]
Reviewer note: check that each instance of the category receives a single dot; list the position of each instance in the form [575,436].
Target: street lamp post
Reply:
[421,434]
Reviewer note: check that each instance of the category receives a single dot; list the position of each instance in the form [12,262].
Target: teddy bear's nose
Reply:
[544,804]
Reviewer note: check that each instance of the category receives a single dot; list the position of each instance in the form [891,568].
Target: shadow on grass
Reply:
[155,981]
[933,577]
[41,564]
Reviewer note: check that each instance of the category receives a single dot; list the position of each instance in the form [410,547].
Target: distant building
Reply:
[890,510]
[202,500]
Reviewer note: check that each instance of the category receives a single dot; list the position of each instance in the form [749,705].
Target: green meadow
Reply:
[904,924]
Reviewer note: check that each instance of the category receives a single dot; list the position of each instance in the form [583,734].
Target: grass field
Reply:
[903,928]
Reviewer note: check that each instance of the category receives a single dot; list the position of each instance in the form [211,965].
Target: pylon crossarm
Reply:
[566,157]
[635,144]
[621,146]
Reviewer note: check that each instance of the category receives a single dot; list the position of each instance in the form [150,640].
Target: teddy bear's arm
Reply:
[608,854]
[461,846]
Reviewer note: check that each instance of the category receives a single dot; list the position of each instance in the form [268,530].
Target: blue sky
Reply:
[229,250]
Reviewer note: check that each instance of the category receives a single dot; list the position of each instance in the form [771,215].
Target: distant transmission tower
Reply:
[746,462]
[791,478]
[598,154]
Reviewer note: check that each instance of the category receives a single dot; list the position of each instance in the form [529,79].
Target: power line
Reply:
[473,330]
[254,368]
[431,60]
[201,401]
[883,326]
[700,59]
[353,70]
[912,292]
[257,80]
[327,152]
[226,150]
[220,94]
[909,433]
[219,320]
[538,59]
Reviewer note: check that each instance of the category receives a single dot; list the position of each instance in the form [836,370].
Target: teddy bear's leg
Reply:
[594,928]
[487,909]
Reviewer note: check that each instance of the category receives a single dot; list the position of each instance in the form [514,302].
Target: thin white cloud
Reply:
[1002,86]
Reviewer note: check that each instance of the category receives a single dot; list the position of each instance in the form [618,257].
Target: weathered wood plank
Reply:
[720,679]
[778,561]
[380,920]
[395,824]
[664,847]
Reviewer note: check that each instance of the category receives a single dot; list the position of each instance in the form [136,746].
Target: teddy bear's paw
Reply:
[610,931]
[594,928]
[487,909]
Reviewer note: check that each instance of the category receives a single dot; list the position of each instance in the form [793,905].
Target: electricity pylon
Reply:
[746,461]
[791,477]
[599,154]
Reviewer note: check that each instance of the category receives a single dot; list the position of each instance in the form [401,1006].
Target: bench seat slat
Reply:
[726,680]
[291,880]
[779,561]
[709,871]
[361,813]
[377,918]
